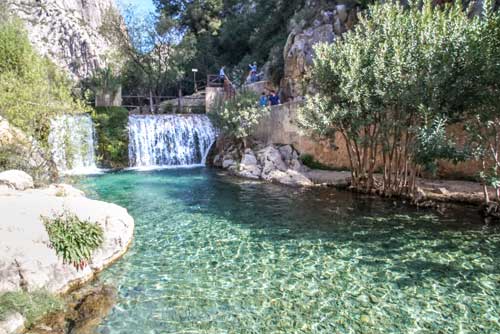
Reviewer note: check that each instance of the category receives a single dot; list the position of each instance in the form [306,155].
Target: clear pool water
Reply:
[213,254]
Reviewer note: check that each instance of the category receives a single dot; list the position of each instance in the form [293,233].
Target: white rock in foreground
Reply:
[27,262]
[16,179]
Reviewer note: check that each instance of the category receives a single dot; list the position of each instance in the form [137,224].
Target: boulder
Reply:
[228,163]
[27,261]
[16,179]
[270,160]
[290,178]
[13,323]
[249,166]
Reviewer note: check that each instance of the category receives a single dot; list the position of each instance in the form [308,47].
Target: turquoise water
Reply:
[213,254]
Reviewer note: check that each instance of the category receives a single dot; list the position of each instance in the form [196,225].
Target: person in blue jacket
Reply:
[263,100]
[274,99]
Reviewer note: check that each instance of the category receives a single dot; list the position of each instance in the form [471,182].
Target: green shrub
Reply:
[112,135]
[73,239]
[237,116]
[390,86]
[309,161]
[32,305]
[33,91]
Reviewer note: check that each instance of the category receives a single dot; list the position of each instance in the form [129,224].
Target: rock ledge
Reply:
[27,262]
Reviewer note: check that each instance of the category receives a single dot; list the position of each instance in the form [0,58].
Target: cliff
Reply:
[67,31]
[331,20]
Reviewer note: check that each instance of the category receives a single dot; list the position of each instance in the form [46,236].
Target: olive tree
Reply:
[483,119]
[391,86]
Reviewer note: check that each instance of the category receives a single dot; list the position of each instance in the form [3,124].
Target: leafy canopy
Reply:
[392,84]
[238,116]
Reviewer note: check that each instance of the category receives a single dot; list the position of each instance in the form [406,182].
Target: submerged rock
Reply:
[84,310]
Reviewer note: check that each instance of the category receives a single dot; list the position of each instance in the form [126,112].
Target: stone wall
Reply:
[68,31]
[280,127]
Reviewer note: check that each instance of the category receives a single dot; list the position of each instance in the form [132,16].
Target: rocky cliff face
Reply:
[330,22]
[67,31]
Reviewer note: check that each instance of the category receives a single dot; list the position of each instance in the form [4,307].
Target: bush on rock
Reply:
[73,239]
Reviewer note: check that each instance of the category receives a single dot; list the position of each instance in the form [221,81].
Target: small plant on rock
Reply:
[73,239]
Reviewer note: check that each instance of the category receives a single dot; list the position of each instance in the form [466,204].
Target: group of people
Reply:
[266,100]
[272,99]
[252,77]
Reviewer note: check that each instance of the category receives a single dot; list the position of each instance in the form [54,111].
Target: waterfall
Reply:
[169,140]
[72,143]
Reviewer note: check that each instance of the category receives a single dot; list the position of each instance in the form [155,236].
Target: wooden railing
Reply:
[142,104]
[216,81]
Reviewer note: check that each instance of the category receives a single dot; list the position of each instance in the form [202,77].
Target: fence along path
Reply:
[153,104]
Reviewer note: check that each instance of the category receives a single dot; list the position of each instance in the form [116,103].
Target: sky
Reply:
[144,6]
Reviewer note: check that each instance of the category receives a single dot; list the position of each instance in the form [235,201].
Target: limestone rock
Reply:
[290,178]
[249,166]
[27,261]
[64,190]
[270,159]
[16,179]
[228,163]
[67,31]
[13,323]
[24,152]
[299,54]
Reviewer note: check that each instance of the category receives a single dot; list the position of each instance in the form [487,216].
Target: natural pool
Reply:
[213,254]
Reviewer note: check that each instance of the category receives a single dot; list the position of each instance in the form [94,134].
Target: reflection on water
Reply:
[214,254]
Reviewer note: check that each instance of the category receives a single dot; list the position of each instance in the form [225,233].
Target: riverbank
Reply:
[27,260]
[282,164]
[456,191]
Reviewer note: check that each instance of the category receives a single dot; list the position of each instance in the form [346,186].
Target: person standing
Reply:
[263,100]
[253,72]
[222,74]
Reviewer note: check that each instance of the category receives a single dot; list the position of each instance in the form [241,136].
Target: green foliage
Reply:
[432,143]
[112,135]
[239,115]
[73,239]
[154,58]
[234,33]
[105,79]
[388,85]
[32,305]
[483,119]
[32,90]
[309,161]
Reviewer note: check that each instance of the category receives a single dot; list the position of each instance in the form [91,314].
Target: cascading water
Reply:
[72,142]
[169,140]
